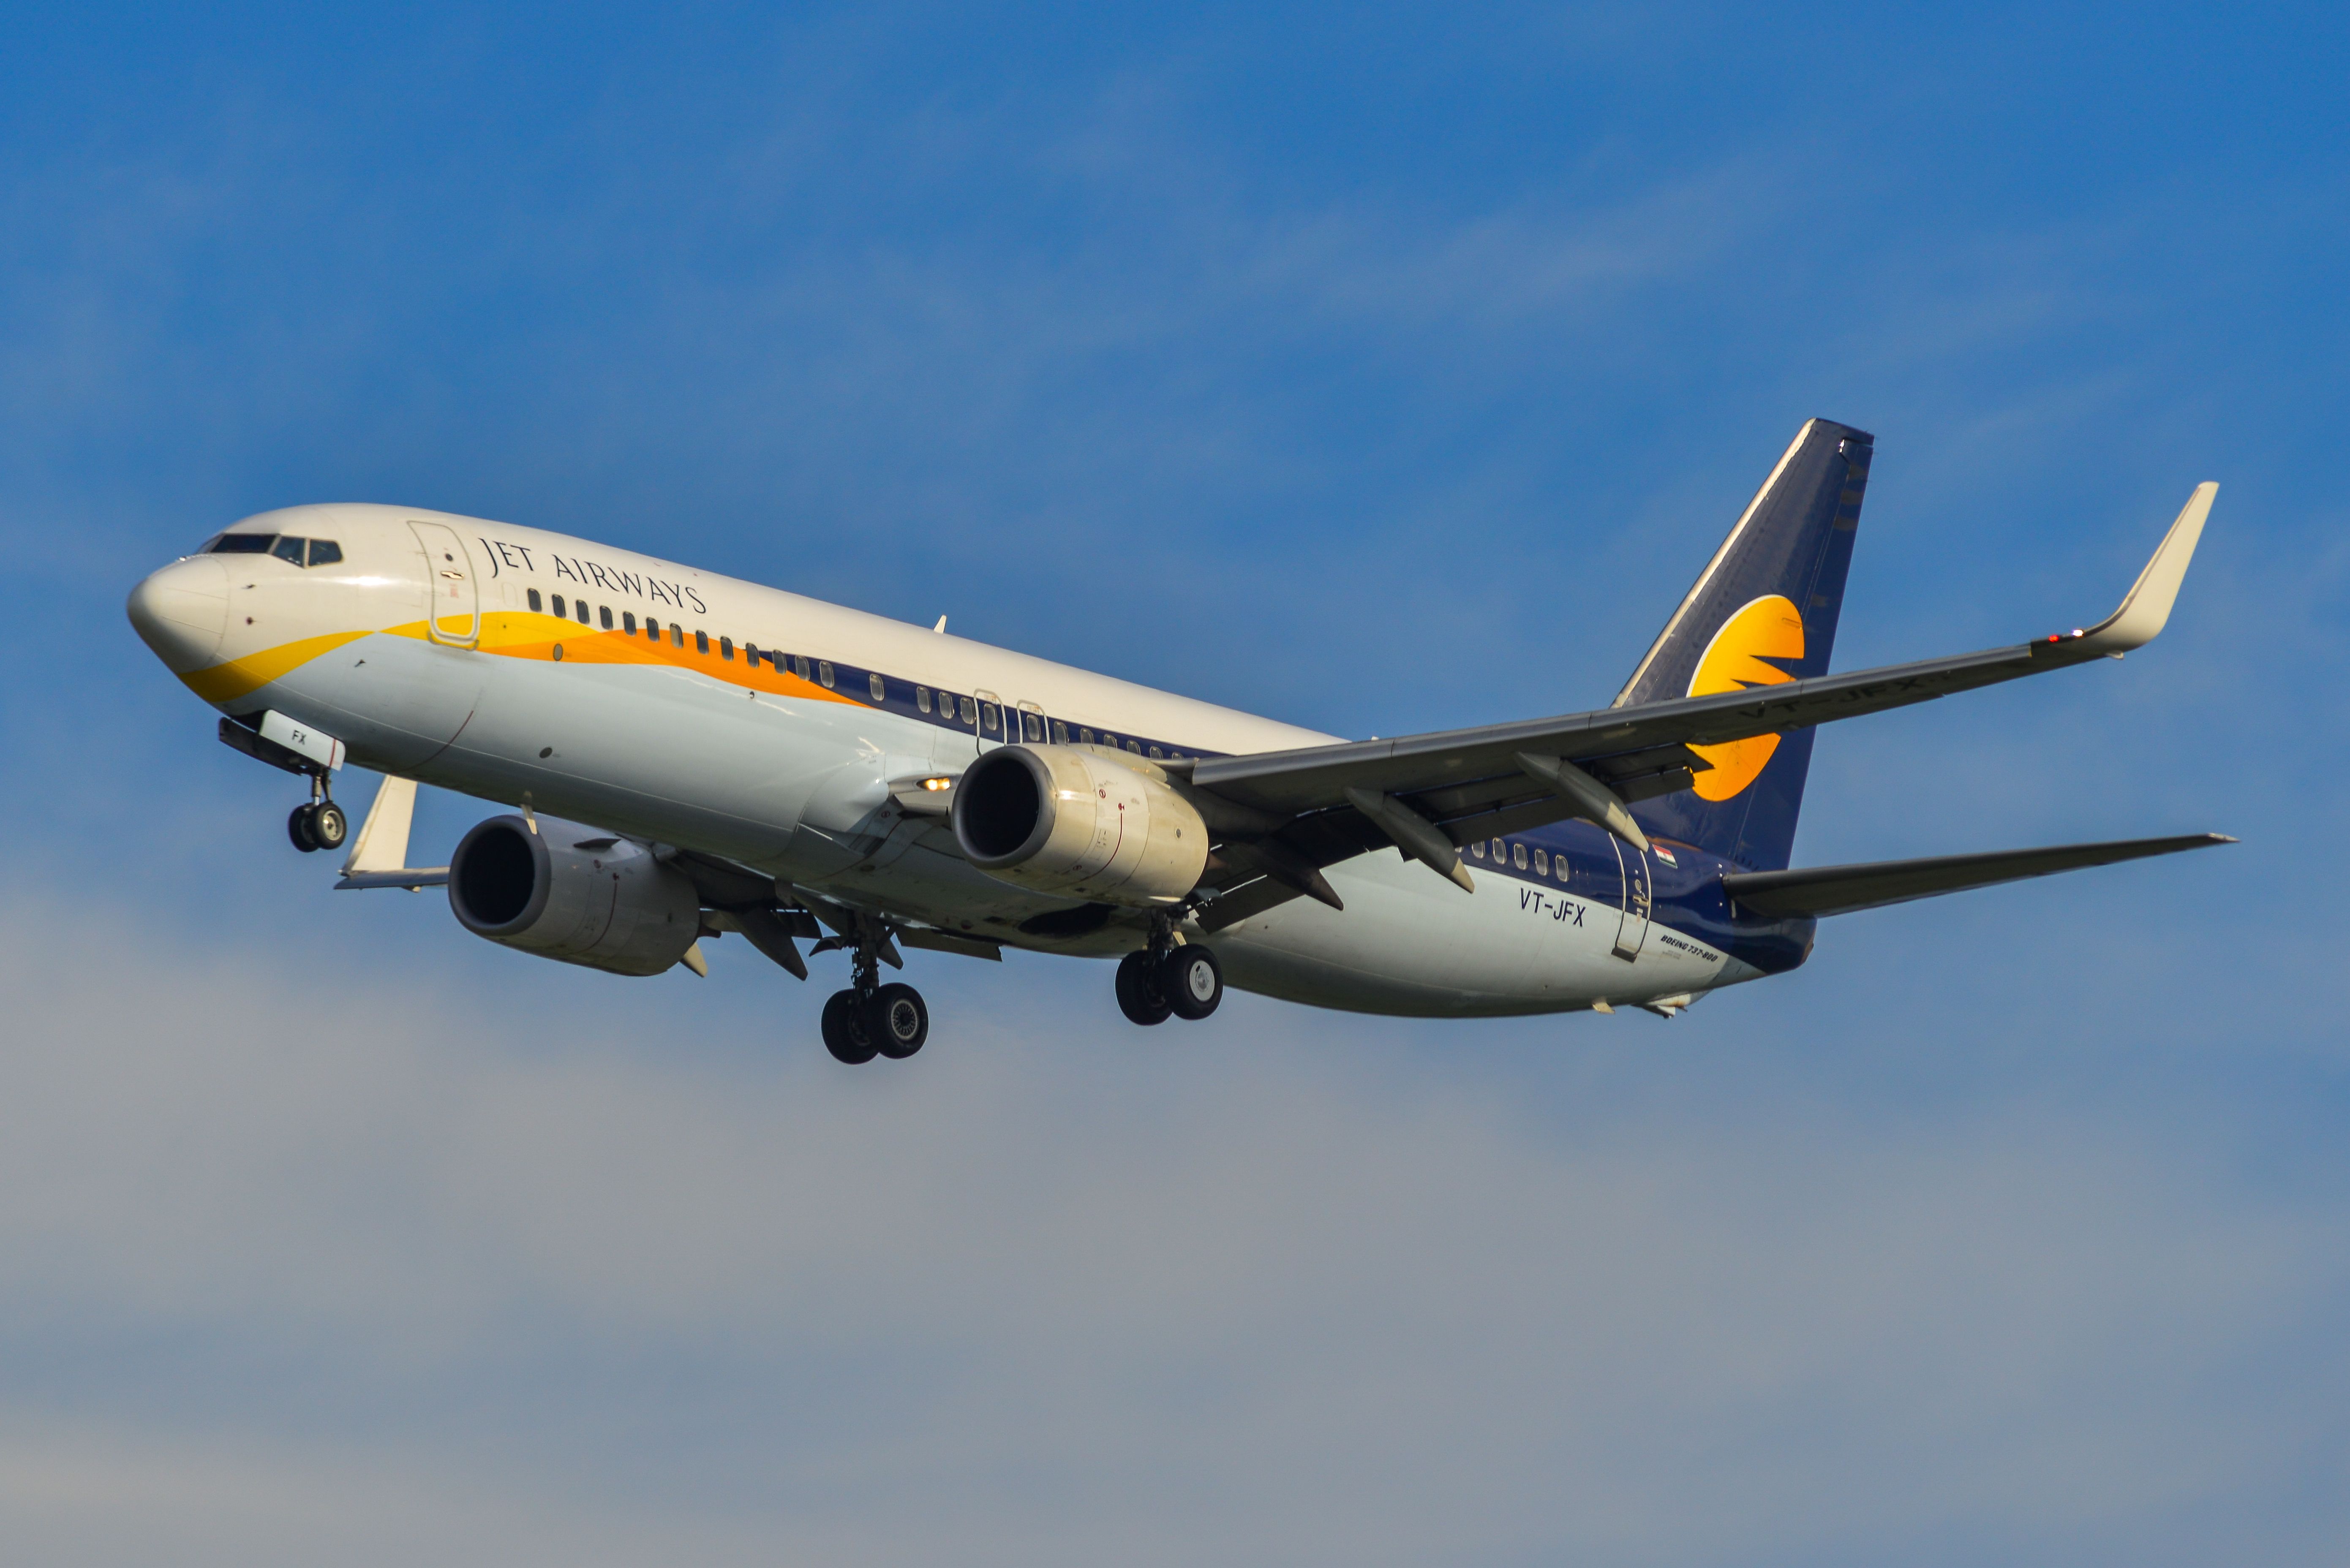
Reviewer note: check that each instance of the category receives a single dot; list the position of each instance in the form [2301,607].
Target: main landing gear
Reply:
[1165,979]
[869,1019]
[319,825]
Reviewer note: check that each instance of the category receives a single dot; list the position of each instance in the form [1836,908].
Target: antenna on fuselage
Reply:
[942,626]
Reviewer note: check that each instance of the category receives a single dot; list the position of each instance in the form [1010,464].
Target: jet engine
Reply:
[574,893]
[1068,821]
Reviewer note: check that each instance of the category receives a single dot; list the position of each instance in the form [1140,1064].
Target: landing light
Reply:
[934,785]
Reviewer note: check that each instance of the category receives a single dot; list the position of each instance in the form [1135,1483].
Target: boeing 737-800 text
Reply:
[686,754]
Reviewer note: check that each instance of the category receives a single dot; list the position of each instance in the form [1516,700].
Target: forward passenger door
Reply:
[452,610]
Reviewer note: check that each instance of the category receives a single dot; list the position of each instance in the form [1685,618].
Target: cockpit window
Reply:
[284,546]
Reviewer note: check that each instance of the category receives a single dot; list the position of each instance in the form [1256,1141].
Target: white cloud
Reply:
[438,1271]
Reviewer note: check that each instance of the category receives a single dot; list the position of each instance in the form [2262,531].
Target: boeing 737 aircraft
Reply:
[686,755]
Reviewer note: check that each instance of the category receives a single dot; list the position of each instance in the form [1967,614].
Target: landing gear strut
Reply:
[319,825]
[1169,979]
[869,1019]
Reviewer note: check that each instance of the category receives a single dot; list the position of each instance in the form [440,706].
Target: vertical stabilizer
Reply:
[1762,612]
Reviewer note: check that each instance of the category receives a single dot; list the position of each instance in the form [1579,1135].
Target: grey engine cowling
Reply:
[1069,820]
[573,893]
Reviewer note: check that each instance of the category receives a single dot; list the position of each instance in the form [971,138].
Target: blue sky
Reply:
[1377,369]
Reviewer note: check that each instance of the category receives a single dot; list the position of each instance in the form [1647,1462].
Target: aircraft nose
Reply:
[181,612]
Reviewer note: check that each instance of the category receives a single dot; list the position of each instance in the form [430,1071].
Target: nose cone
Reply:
[181,612]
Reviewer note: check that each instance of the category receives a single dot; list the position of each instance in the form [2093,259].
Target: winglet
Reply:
[2146,610]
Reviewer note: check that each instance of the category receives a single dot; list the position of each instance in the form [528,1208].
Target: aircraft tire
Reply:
[300,828]
[844,1029]
[329,826]
[1192,981]
[897,1022]
[1139,996]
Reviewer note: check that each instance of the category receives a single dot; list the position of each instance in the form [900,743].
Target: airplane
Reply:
[686,755]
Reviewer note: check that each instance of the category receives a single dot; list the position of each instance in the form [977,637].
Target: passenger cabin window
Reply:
[824,672]
[725,648]
[628,622]
[751,652]
[241,545]
[800,664]
[922,698]
[1542,864]
[1478,849]
[1518,856]
[1033,724]
[676,635]
[652,629]
[880,692]
[1561,863]
[579,610]
[559,608]
[325,552]
[1060,734]
[990,717]
[1084,736]
[1499,849]
[537,604]
[1135,746]
[604,615]
[702,643]
[969,713]
[1154,753]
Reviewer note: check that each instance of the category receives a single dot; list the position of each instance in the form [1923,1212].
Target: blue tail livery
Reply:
[1763,613]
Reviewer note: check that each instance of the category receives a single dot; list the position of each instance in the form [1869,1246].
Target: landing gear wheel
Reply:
[844,1029]
[302,828]
[1192,981]
[1139,996]
[329,826]
[896,1021]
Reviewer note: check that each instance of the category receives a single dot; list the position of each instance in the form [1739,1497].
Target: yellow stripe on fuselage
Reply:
[227,682]
[515,635]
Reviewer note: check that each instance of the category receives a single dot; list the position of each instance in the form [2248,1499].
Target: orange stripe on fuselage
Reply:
[519,634]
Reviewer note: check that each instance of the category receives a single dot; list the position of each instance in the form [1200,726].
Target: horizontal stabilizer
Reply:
[1840,889]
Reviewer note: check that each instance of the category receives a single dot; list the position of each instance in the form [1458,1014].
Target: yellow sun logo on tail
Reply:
[1769,627]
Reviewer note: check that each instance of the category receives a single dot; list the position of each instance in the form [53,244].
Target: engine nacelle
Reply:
[1071,822]
[573,893]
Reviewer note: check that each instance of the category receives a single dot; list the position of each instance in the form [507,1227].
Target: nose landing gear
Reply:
[319,825]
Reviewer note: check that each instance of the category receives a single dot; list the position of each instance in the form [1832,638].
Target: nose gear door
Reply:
[1632,932]
[452,613]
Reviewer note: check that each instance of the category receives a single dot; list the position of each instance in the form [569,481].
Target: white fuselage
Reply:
[421,650]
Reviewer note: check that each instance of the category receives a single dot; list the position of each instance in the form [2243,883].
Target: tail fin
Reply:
[1763,611]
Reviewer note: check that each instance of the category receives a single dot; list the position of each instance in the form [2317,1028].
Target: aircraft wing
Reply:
[1427,794]
[1644,751]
